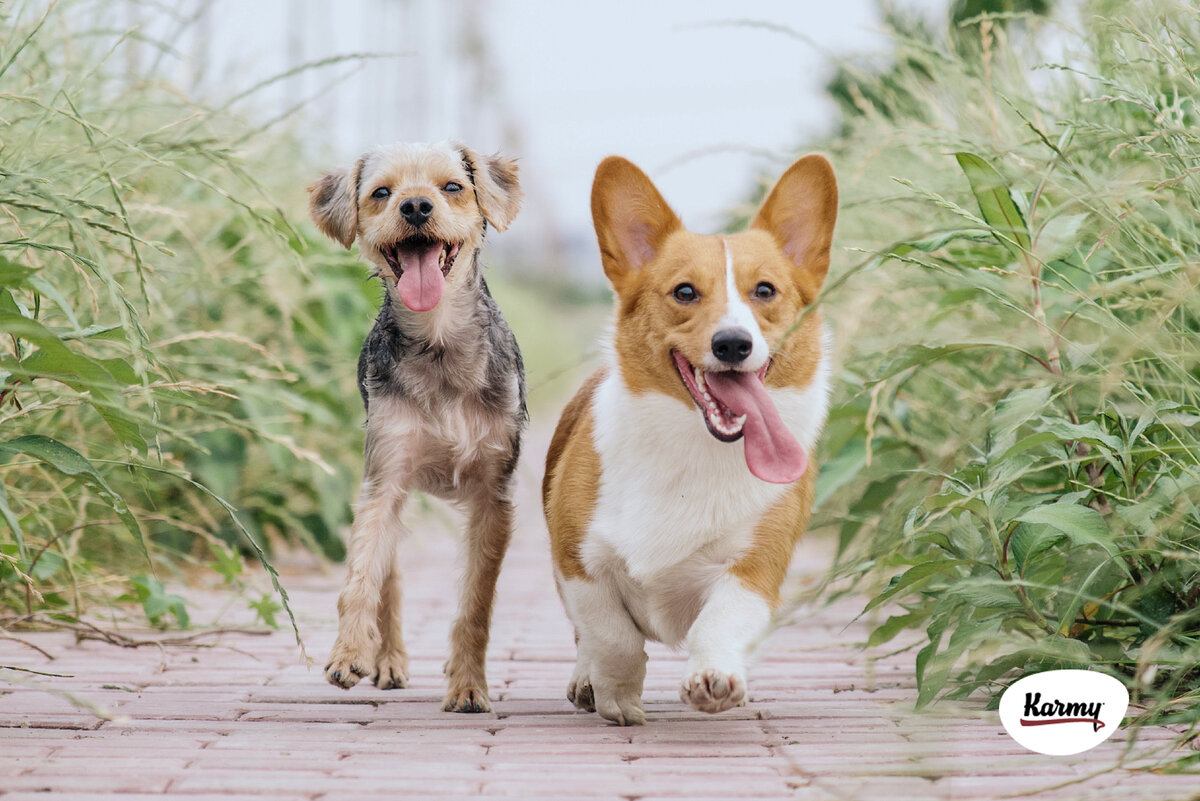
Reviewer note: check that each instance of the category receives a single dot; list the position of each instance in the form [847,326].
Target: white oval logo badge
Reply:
[1063,712]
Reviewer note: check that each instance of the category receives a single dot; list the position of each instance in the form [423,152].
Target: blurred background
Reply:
[1011,467]
[703,95]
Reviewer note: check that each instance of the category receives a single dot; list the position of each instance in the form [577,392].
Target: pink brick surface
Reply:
[245,719]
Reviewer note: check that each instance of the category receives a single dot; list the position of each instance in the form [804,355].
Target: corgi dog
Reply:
[678,480]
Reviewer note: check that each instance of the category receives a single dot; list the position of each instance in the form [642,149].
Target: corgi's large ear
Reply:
[800,213]
[497,189]
[632,220]
[333,204]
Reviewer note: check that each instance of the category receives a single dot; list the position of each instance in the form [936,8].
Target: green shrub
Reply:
[1014,460]
[166,355]
[177,352]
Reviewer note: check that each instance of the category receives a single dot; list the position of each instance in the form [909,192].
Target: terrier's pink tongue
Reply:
[772,453]
[421,281]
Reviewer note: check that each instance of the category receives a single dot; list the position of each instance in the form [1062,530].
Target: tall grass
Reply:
[170,367]
[1013,466]
[177,347]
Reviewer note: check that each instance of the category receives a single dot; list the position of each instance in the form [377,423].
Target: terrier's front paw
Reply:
[391,671]
[713,690]
[346,666]
[466,699]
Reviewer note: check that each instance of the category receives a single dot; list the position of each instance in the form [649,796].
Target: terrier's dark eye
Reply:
[764,291]
[452,188]
[685,293]
[381,193]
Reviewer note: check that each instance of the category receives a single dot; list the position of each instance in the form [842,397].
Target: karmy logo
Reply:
[1063,712]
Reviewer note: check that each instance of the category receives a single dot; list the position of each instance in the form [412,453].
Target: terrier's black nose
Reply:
[732,345]
[416,210]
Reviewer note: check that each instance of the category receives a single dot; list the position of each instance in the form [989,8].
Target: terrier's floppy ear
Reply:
[800,213]
[632,219]
[497,189]
[333,204]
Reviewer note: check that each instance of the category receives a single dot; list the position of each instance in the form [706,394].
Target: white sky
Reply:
[701,102]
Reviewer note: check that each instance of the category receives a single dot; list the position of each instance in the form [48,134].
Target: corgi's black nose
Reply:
[732,345]
[416,210]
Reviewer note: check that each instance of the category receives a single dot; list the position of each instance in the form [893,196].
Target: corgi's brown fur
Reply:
[659,527]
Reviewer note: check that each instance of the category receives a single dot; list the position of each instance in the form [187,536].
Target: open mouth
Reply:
[416,251]
[420,267]
[723,422]
[735,403]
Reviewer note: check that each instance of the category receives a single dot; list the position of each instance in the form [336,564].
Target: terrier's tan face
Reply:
[416,209]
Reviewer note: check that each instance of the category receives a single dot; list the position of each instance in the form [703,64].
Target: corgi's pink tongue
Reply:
[772,453]
[421,281]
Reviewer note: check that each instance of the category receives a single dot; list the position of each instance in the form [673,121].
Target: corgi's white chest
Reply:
[669,489]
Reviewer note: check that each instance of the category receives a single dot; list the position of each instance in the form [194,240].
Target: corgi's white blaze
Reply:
[738,315]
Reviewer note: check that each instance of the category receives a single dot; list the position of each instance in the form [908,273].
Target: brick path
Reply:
[248,720]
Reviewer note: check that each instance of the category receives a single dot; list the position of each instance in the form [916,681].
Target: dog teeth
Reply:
[442,258]
[719,423]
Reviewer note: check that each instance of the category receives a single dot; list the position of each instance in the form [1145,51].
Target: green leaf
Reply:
[910,577]
[47,565]
[13,523]
[1082,524]
[72,463]
[894,625]
[840,470]
[1089,432]
[157,602]
[1020,406]
[1029,541]
[985,594]
[82,373]
[966,634]
[48,289]
[12,274]
[871,501]
[937,241]
[1057,237]
[996,205]
[265,608]
[1078,599]
[1025,444]
[956,500]
[918,355]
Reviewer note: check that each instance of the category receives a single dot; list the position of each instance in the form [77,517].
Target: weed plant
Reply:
[177,347]
[1013,462]
[171,371]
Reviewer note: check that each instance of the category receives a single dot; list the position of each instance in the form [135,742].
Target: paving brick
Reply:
[246,719]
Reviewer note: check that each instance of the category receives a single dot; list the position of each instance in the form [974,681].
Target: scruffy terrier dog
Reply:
[444,389]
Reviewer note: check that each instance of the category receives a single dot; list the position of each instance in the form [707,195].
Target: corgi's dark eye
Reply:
[381,193]
[764,291]
[452,188]
[685,293]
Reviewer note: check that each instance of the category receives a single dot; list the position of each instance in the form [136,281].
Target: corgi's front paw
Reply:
[579,693]
[623,708]
[713,690]
[347,665]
